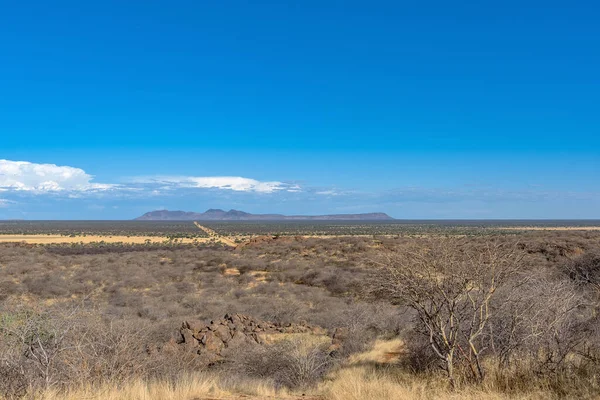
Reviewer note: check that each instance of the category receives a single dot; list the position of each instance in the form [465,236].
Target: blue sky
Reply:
[418,109]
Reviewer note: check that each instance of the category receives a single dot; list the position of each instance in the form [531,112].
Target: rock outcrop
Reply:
[214,339]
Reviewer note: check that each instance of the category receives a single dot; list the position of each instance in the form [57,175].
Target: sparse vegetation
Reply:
[404,316]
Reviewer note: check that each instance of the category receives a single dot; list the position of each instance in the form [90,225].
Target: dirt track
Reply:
[214,235]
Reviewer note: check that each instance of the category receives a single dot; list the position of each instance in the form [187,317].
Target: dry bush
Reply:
[38,342]
[585,271]
[540,330]
[451,288]
[482,308]
[294,363]
[543,320]
[58,349]
[13,383]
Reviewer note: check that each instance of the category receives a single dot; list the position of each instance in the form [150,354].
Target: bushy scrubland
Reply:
[504,316]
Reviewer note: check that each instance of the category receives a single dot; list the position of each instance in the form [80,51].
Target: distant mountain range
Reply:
[235,215]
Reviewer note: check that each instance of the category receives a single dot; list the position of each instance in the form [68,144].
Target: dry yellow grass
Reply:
[186,388]
[366,380]
[213,236]
[190,387]
[370,383]
[358,382]
[57,239]
[371,375]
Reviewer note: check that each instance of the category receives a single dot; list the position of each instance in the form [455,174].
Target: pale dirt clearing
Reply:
[382,352]
[57,239]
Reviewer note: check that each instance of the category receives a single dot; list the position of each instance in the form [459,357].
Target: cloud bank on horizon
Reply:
[26,187]
[234,183]
[24,176]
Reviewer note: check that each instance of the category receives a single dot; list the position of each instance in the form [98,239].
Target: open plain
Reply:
[86,313]
[57,239]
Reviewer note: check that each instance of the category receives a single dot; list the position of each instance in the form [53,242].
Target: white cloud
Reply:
[5,203]
[32,178]
[234,183]
[23,176]
[328,193]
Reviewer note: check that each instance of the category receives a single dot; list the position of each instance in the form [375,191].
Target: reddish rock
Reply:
[188,338]
[212,343]
[223,333]
[194,325]
[213,340]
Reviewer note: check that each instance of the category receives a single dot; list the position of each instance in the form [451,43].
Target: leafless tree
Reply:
[42,338]
[451,286]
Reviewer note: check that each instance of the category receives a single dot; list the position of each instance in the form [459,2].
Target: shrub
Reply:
[13,384]
[585,270]
[294,363]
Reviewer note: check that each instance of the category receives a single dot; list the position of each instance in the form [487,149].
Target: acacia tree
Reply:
[450,286]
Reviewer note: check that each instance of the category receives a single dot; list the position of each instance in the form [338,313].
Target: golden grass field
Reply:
[57,239]
[213,236]
[366,376]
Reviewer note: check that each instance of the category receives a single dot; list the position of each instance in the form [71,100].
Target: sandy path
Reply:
[214,235]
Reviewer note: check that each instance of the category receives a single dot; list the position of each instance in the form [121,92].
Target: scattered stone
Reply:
[211,340]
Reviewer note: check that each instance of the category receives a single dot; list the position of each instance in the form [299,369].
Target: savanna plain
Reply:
[192,311]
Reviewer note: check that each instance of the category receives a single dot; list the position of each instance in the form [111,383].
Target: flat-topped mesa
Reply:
[214,211]
[215,214]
